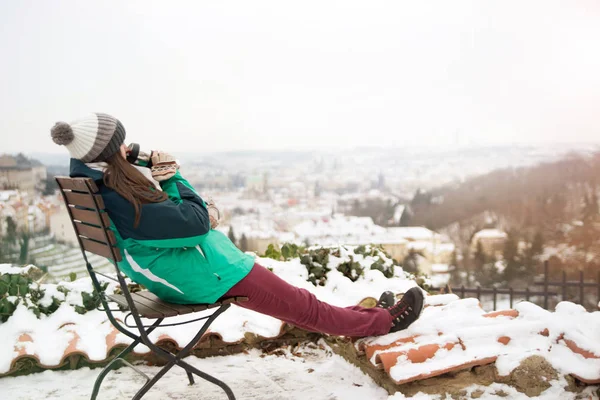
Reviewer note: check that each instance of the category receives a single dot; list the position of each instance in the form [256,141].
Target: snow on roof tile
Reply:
[94,338]
[454,334]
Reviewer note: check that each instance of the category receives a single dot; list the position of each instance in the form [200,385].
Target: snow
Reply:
[446,319]
[304,373]
[554,392]
[9,269]
[398,211]
[5,195]
[439,280]
[490,234]
[317,374]
[339,229]
[460,321]
[441,268]
[339,290]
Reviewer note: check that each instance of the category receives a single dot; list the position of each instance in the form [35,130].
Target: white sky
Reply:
[232,75]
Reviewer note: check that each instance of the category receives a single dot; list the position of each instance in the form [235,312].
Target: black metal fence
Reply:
[544,291]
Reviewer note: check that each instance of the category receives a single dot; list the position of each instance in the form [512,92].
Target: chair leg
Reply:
[207,377]
[177,359]
[190,377]
[120,359]
[171,360]
[189,369]
[114,364]
[152,381]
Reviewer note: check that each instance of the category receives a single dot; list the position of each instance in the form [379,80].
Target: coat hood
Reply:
[78,169]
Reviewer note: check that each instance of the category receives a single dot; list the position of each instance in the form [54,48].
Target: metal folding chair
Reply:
[91,224]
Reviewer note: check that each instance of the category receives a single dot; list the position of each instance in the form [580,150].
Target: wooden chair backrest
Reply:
[89,218]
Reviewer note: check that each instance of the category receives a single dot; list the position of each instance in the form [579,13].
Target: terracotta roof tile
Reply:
[451,335]
[27,347]
[441,342]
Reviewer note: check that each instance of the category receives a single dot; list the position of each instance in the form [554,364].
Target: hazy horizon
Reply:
[234,76]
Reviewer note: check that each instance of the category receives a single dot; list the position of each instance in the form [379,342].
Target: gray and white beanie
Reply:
[93,138]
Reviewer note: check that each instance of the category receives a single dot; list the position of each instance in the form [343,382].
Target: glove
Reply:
[164,166]
[213,214]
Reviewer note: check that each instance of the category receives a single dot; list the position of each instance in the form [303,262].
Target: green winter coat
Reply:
[173,252]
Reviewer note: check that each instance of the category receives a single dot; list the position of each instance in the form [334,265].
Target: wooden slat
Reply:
[119,299]
[164,308]
[95,233]
[237,299]
[150,306]
[90,217]
[152,301]
[99,248]
[179,308]
[77,184]
[144,311]
[84,200]
[189,308]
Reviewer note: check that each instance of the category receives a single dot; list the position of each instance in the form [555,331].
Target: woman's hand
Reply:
[164,166]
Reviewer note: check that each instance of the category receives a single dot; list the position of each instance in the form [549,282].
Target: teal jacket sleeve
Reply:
[170,187]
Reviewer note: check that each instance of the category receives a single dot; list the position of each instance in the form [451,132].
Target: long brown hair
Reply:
[130,183]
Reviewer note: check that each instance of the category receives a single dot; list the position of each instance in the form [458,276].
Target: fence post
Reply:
[581,288]
[527,293]
[546,284]
[478,292]
[462,292]
[564,286]
[494,293]
[511,296]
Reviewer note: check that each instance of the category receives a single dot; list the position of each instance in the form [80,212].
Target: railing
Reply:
[527,294]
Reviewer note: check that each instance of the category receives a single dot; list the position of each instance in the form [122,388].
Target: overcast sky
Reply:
[233,75]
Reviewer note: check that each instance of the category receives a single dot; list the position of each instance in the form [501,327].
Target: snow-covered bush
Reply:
[351,261]
[18,286]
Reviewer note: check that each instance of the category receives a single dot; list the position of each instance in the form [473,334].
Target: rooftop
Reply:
[490,234]
[20,162]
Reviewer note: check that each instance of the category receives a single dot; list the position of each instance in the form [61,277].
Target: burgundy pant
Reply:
[271,295]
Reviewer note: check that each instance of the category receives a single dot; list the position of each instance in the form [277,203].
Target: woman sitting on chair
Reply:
[165,233]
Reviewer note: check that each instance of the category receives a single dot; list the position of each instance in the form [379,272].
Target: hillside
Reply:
[558,200]
[528,197]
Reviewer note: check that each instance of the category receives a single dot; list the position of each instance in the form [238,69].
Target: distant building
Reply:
[338,230]
[259,232]
[20,173]
[396,241]
[28,213]
[61,225]
[492,241]
[259,244]
[435,248]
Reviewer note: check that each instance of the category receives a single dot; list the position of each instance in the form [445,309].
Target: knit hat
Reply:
[93,138]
